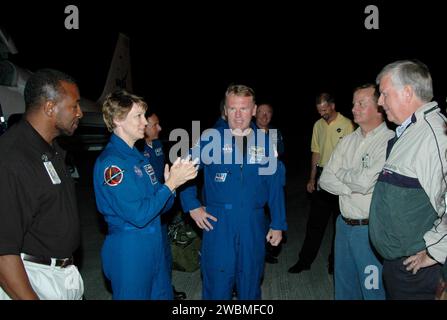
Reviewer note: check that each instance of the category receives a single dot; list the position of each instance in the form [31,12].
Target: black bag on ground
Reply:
[185,246]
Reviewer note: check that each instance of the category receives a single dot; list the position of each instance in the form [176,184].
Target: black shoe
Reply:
[271,259]
[178,295]
[298,267]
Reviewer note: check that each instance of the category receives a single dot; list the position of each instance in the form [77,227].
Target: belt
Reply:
[355,222]
[48,261]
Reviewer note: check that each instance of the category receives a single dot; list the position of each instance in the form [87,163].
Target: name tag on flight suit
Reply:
[151,173]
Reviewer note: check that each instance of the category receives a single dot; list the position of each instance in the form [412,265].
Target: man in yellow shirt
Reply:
[327,132]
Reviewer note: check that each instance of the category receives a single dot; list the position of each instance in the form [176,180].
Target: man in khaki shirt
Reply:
[327,132]
[351,173]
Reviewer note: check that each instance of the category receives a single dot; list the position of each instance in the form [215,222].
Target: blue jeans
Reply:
[358,272]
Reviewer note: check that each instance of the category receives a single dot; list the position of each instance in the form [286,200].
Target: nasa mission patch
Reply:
[113,175]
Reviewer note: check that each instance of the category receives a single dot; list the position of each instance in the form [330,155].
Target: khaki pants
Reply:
[53,283]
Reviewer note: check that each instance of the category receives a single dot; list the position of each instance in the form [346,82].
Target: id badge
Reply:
[52,172]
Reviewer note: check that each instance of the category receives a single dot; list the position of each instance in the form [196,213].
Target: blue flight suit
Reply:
[232,254]
[221,123]
[278,141]
[156,158]
[131,199]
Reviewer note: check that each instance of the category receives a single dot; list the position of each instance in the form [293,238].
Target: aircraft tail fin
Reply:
[119,76]
[7,46]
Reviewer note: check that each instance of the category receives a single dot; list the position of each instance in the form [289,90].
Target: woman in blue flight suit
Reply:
[131,199]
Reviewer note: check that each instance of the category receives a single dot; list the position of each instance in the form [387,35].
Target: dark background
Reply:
[184,54]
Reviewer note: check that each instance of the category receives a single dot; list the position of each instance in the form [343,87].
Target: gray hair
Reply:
[413,73]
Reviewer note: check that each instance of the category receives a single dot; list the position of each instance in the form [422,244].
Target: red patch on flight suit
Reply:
[113,176]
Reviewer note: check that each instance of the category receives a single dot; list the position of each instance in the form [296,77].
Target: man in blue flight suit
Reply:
[263,118]
[239,181]
[153,151]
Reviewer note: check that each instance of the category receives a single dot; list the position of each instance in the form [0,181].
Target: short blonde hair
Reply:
[117,105]
[240,91]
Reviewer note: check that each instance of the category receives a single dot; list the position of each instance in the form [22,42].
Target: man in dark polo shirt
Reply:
[39,221]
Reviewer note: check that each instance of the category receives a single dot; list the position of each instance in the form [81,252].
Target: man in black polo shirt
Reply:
[39,221]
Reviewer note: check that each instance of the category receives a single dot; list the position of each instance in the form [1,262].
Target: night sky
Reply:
[185,54]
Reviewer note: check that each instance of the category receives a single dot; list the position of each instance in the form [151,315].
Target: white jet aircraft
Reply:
[91,133]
